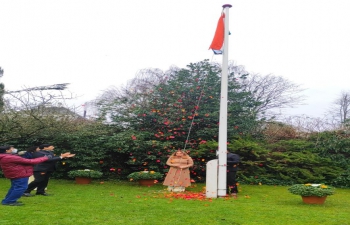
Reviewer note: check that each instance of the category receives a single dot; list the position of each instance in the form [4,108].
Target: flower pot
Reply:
[313,199]
[83,180]
[146,182]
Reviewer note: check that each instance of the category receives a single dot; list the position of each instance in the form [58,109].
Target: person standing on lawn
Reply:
[28,154]
[178,177]
[43,171]
[233,161]
[17,169]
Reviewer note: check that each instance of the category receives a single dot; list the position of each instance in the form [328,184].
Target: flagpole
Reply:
[222,151]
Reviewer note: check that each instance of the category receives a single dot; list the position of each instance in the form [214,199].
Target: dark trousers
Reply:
[231,182]
[18,186]
[41,179]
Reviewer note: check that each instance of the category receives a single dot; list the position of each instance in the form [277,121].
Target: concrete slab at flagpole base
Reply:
[211,190]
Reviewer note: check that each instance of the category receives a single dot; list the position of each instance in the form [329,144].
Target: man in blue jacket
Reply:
[43,171]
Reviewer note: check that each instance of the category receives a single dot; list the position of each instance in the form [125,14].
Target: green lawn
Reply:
[128,203]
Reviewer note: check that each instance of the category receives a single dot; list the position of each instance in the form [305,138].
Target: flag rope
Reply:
[194,115]
[196,108]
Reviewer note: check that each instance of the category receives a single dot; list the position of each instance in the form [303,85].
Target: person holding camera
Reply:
[233,161]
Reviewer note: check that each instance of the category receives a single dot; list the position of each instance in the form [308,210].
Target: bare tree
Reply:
[306,125]
[28,112]
[273,92]
[143,82]
[30,97]
[292,127]
[134,93]
[341,108]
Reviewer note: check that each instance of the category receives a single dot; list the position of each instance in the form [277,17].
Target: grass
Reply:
[128,203]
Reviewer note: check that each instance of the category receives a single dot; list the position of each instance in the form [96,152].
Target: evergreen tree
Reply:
[180,111]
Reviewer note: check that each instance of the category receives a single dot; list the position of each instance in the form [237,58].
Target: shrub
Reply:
[144,175]
[319,190]
[85,173]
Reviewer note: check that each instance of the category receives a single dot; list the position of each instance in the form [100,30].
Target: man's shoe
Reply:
[27,195]
[43,194]
[13,204]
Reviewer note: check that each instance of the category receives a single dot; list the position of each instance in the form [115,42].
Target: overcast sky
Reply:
[95,44]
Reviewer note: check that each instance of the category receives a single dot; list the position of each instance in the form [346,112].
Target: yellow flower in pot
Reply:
[312,193]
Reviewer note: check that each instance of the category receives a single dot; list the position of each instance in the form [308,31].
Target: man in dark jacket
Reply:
[232,167]
[17,169]
[43,171]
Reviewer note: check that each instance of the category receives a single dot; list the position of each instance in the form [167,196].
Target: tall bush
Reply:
[180,112]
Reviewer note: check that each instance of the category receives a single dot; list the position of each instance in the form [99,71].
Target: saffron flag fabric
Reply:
[218,40]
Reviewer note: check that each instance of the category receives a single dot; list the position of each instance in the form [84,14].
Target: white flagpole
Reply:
[222,151]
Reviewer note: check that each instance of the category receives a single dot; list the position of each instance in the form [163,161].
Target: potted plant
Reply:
[145,178]
[312,193]
[84,176]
